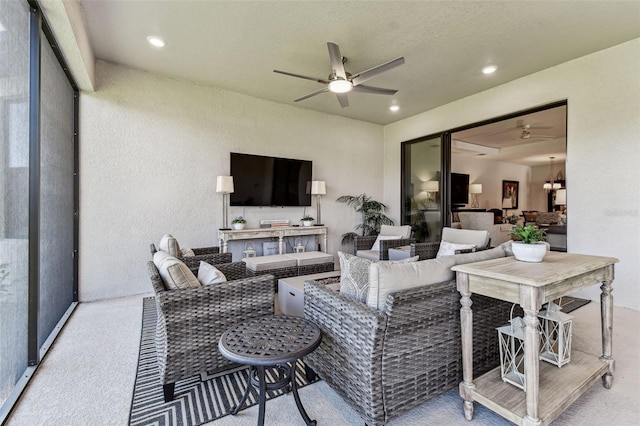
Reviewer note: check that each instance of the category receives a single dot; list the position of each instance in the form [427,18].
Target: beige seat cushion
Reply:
[403,231]
[310,258]
[169,244]
[465,236]
[265,263]
[174,273]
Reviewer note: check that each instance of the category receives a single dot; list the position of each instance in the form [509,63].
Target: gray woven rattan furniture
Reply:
[287,340]
[429,250]
[210,255]
[191,321]
[365,243]
[385,363]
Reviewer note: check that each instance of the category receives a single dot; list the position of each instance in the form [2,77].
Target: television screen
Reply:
[270,181]
[459,188]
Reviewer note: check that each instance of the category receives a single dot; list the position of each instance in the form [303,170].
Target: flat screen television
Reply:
[459,188]
[270,181]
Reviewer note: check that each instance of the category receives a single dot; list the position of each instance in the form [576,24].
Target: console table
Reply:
[549,389]
[279,232]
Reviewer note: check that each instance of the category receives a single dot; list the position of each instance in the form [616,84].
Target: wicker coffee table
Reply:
[271,342]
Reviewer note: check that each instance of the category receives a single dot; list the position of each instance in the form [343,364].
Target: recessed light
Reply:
[489,69]
[156,41]
[394,108]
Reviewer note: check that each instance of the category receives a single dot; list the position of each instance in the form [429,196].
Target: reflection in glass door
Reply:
[422,188]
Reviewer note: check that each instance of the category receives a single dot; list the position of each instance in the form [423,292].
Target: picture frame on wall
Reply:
[510,190]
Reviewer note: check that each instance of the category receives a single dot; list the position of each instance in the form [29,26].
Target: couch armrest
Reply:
[349,357]
[363,243]
[193,262]
[206,250]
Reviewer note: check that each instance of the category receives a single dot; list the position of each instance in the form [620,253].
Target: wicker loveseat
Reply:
[383,363]
[191,321]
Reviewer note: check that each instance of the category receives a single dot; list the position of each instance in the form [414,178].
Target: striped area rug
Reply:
[196,401]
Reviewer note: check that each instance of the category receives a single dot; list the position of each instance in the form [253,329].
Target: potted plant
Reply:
[530,243]
[372,215]
[238,222]
[307,220]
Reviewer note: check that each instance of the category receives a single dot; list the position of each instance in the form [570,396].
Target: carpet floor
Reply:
[197,400]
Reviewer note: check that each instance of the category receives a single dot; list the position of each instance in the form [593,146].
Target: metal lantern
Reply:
[555,334]
[249,251]
[511,339]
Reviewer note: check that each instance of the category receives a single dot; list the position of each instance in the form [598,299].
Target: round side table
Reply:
[268,342]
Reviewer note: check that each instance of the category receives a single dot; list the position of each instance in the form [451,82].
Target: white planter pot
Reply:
[307,222]
[238,225]
[529,252]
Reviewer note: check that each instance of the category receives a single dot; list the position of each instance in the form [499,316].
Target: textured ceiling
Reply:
[236,45]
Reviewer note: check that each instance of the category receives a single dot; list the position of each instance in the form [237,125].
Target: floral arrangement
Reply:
[239,219]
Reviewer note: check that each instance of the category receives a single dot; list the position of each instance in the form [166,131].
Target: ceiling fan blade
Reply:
[370,73]
[336,61]
[317,92]
[343,99]
[375,90]
[319,80]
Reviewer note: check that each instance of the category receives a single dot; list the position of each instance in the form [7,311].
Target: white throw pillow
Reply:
[170,245]
[376,245]
[448,249]
[209,274]
[174,273]
[187,252]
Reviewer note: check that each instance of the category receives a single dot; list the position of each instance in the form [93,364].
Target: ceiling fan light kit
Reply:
[341,82]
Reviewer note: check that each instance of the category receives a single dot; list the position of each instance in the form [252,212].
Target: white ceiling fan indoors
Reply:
[342,82]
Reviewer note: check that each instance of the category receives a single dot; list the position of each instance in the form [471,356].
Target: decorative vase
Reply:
[238,225]
[307,222]
[529,252]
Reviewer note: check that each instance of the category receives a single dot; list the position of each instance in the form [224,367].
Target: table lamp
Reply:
[318,188]
[224,185]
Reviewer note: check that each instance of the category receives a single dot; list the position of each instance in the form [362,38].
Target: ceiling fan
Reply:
[526,133]
[342,82]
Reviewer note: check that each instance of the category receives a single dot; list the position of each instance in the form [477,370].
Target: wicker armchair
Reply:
[362,246]
[385,363]
[190,322]
[461,236]
[210,255]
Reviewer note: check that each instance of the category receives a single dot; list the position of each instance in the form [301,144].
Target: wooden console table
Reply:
[549,389]
[279,232]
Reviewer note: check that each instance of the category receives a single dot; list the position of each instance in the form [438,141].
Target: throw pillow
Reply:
[170,245]
[209,274]
[187,252]
[174,273]
[354,276]
[376,245]
[449,249]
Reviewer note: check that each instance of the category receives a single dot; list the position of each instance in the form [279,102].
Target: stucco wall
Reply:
[151,148]
[603,151]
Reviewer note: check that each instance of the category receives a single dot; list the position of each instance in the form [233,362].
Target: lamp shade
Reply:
[318,187]
[561,197]
[224,184]
[430,186]
[506,203]
[475,188]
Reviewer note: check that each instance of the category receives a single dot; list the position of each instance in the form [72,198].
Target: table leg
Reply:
[606,317]
[466,323]
[325,243]
[235,410]
[294,389]
[531,366]
[223,244]
[280,244]
[263,394]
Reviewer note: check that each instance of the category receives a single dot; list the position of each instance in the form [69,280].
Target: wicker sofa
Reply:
[383,363]
[191,321]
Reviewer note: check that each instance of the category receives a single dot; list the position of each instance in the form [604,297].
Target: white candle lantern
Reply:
[511,339]
[555,334]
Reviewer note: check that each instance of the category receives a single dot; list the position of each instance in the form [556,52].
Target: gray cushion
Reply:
[465,236]
[479,256]
[310,258]
[209,274]
[447,249]
[404,231]
[174,273]
[368,254]
[265,263]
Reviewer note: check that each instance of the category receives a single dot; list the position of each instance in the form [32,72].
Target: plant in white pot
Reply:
[238,222]
[307,220]
[530,245]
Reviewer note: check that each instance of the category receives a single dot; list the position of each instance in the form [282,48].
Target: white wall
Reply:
[603,151]
[151,148]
